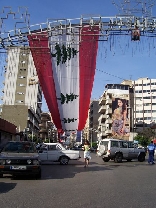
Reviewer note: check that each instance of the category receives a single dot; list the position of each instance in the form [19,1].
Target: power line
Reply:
[110,74]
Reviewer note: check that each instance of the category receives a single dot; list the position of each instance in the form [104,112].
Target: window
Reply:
[23,70]
[44,147]
[21,77]
[130,145]
[20,93]
[58,147]
[114,143]
[51,147]
[19,101]
[123,144]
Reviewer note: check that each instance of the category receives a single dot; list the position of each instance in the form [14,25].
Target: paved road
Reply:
[101,185]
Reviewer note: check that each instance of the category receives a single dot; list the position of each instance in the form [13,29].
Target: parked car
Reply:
[19,158]
[117,150]
[56,152]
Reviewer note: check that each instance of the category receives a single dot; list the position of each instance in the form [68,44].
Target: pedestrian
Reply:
[86,149]
[151,149]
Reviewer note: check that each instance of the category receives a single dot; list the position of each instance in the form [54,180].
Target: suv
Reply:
[117,150]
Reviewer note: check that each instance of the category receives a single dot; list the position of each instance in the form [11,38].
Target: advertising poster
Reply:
[120,117]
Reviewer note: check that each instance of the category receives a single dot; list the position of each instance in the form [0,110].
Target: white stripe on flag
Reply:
[66,78]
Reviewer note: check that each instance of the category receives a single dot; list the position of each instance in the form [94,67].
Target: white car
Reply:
[56,152]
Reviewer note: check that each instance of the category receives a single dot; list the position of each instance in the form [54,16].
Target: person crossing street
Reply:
[151,149]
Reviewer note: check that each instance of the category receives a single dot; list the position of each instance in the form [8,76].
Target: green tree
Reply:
[143,141]
[144,137]
[94,144]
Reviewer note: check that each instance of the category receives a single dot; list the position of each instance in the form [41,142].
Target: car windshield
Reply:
[19,147]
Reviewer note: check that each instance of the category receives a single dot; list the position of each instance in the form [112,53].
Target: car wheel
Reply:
[118,158]
[105,159]
[141,158]
[64,160]
[129,160]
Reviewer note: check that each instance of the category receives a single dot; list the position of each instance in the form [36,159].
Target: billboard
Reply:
[120,116]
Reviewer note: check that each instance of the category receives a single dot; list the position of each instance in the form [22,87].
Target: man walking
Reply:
[151,149]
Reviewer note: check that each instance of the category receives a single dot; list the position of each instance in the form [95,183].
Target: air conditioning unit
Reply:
[27,129]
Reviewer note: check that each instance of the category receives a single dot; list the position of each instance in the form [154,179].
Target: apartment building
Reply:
[109,104]
[144,103]
[22,96]
[48,132]
[140,99]
[91,128]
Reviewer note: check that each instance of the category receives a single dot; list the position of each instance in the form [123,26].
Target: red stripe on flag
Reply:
[42,60]
[87,62]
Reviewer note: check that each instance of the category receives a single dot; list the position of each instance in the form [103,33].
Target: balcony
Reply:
[108,101]
[102,109]
[102,134]
[109,121]
[42,125]
[108,131]
[43,130]
[102,118]
[109,111]
[102,101]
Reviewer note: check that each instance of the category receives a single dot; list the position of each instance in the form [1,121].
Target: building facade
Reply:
[7,132]
[91,127]
[144,103]
[115,112]
[139,97]
[22,92]
[48,132]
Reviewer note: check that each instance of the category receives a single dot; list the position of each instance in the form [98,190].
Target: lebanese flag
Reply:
[66,67]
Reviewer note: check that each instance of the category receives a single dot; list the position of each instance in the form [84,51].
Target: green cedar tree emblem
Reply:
[66,98]
[69,120]
[63,53]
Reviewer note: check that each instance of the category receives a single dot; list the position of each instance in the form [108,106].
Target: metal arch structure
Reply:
[21,17]
[129,7]
[115,25]
[121,24]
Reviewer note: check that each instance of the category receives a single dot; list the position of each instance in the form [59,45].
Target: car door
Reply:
[131,150]
[43,153]
[124,148]
[53,152]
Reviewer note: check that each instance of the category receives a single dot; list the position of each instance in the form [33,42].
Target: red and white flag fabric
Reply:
[66,67]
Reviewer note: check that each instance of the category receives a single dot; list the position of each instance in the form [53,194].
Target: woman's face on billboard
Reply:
[120,103]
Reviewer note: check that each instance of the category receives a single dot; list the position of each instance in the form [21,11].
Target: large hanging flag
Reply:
[66,67]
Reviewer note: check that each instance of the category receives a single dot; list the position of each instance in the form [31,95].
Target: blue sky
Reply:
[117,60]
